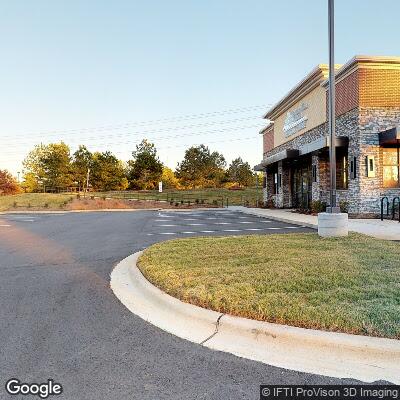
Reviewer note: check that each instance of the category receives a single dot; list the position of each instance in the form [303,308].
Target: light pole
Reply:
[332,114]
[332,223]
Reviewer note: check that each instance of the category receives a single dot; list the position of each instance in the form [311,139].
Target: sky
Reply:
[179,72]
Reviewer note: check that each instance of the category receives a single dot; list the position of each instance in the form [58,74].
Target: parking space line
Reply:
[5,225]
[188,232]
[254,229]
[232,230]
[207,231]
[167,233]
[196,224]
[168,225]
[247,222]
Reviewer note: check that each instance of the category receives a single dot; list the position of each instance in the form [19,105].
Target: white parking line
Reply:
[167,233]
[5,225]
[223,223]
[265,221]
[188,232]
[232,230]
[246,222]
[196,224]
[161,220]
[168,225]
[207,231]
[254,229]
[190,219]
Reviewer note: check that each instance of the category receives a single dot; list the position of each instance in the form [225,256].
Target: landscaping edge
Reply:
[319,352]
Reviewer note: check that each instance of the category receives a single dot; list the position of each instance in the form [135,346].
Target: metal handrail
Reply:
[394,206]
[387,206]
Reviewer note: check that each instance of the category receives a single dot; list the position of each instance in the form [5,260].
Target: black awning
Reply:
[259,167]
[323,142]
[391,136]
[282,155]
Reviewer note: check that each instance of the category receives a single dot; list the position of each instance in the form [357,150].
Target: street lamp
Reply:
[332,114]
[332,223]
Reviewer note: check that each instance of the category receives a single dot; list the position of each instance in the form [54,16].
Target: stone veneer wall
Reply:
[373,120]
[362,126]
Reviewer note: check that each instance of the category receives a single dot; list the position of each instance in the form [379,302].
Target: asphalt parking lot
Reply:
[60,319]
[223,222]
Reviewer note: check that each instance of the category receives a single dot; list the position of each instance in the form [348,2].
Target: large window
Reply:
[391,166]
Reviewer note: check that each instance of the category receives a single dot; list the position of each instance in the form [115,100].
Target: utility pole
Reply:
[332,114]
[87,182]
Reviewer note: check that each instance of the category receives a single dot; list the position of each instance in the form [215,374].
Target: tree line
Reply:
[53,166]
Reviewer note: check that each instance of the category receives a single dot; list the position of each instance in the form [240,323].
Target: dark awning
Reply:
[391,136]
[320,143]
[259,167]
[282,155]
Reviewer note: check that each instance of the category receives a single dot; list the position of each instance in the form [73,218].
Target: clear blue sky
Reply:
[69,65]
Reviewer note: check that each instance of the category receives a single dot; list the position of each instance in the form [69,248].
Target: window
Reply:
[314,173]
[341,168]
[391,166]
[353,168]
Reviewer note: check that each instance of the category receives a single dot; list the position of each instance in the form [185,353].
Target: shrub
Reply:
[15,204]
[176,204]
[344,206]
[318,206]
[46,205]
[78,196]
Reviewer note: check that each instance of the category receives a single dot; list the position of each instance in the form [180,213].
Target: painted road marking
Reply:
[223,223]
[190,219]
[5,225]
[247,222]
[207,231]
[168,233]
[168,225]
[232,230]
[196,224]
[188,232]
[254,229]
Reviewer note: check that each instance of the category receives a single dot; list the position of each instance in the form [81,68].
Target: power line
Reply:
[143,123]
[133,142]
[155,131]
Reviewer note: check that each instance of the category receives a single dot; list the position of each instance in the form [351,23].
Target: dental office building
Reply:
[296,142]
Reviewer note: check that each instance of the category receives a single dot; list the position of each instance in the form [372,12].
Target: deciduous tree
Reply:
[145,169]
[201,168]
[240,172]
[8,184]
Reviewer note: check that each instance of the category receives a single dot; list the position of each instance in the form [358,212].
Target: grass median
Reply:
[344,284]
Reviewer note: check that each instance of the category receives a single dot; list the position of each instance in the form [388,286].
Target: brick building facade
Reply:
[295,142]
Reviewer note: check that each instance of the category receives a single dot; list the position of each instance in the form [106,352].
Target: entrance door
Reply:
[302,185]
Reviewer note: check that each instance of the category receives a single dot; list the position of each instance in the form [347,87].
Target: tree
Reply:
[169,180]
[82,161]
[30,183]
[51,164]
[8,184]
[201,168]
[240,172]
[107,172]
[145,169]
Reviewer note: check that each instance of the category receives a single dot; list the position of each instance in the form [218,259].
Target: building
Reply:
[296,143]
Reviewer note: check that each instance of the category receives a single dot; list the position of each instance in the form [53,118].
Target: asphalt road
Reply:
[60,319]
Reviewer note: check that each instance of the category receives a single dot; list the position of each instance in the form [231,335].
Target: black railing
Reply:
[382,206]
[394,207]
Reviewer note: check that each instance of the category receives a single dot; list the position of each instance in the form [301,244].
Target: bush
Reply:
[15,204]
[46,205]
[78,196]
[318,206]
[344,206]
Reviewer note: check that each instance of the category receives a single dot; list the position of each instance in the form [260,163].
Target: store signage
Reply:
[295,120]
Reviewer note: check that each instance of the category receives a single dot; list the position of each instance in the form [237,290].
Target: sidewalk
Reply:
[388,230]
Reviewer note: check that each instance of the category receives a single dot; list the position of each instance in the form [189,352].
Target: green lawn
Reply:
[343,284]
[208,196]
[34,201]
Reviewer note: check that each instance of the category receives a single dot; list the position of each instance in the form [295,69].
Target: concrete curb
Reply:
[306,350]
[245,210]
